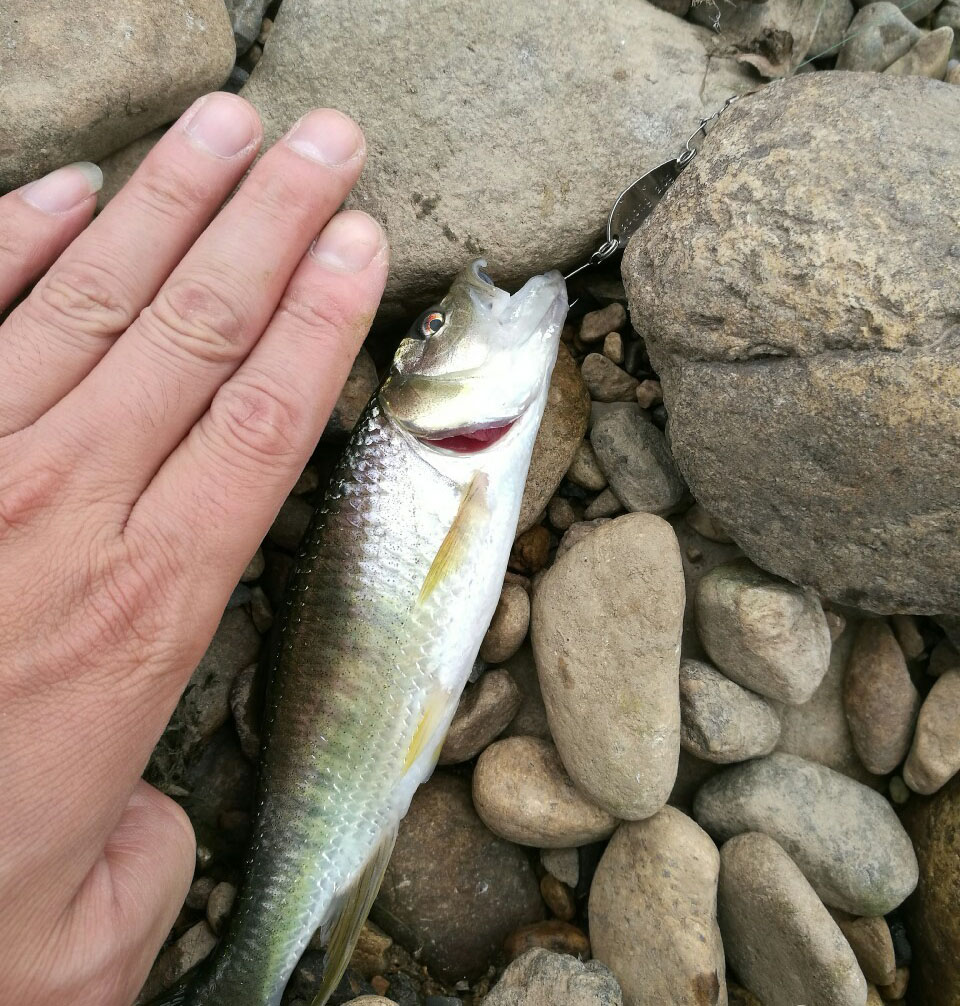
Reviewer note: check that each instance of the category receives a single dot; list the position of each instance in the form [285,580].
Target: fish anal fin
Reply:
[353,907]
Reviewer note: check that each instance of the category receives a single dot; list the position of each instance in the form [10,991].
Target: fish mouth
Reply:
[469,441]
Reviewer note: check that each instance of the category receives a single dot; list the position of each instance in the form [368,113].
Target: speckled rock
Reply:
[460,915]
[720,721]
[485,709]
[879,698]
[561,431]
[246,17]
[763,632]
[845,838]
[948,16]
[554,934]
[173,963]
[607,382]
[806,376]
[832,27]
[605,628]
[653,918]
[606,504]
[521,792]
[635,457]
[916,11]
[598,324]
[779,937]
[564,864]
[487,193]
[508,626]
[584,470]
[880,35]
[927,58]
[935,753]
[543,978]
[102,83]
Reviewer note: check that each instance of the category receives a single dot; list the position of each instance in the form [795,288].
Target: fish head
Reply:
[477,364]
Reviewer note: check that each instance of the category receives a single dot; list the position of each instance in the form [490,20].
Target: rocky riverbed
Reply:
[710,755]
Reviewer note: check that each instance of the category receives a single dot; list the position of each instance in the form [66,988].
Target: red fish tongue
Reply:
[467,443]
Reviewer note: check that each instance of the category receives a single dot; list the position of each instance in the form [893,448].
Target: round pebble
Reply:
[220,904]
[555,935]
[597,324]
[508,626]
[935,754]
[607,382]
[558,897]
[584,470]
[485,709]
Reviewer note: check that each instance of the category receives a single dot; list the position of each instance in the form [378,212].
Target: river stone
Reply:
[935,754]
[845,837]
[434,85]
[806,375]
[246,17]
[509,624]
[584,470]
[832,27]
[778,936]
[653,912]
[928,57]
[933,913]
[763,632]
[879,698]
[635,457]
[485,709]
[531,717]
[458,916]
[561,432]
[948,16]
[521,791]
[915,10]
[605,627]
[872,945]
[543,978]
[81,81]
[878,35]
[720,721]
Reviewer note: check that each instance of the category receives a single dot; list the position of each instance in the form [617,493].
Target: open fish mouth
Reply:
[468,441]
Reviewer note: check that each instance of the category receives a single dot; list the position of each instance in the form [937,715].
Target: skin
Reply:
[161,387]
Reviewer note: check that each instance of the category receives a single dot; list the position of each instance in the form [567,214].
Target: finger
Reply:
[161,376]
[106,277]
[220,490]
[39,220]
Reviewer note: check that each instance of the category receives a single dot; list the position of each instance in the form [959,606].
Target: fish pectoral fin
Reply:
[431,730]
[351,912]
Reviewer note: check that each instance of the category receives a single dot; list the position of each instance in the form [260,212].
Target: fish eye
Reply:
[432,322]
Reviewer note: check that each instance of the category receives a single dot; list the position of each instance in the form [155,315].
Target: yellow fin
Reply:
[436,708]
[352,911]
[453,549]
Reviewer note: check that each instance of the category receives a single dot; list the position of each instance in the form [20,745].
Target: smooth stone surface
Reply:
[508,627]
[653,912]
[485,193]
[543,978]
[246,17]
[928,57]
[879,35]
[832,27]
[584,470]
[635,457]
[701,522]
[531,717]
[948,16]
[933,913]
[564,864]
[606,504]
[879,698]
[720,721]
[805,377]
[607,382]
[554,934]
[915,12]
[522,793]
[121,164]
[778,936]
[485,709]
[173,963]
[561,431]
[558,897]
[872,944]
[605,627]
[80,82]
[935,753]
[596,325]
[763,632]
[457,916]
[845,838]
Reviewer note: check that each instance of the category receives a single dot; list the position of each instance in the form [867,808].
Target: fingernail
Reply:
[349,243]
[221,124]
[64,188]
[327,136]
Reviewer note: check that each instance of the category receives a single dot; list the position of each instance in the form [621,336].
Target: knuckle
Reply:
[199,317]
[171,191]
[123,605]
[84,295]
[276,194]
[26,490]
[328,319]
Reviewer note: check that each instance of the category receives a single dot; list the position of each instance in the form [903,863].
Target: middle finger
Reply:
[160,377]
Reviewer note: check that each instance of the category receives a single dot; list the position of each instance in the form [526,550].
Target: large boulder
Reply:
[799,287]
[469,110]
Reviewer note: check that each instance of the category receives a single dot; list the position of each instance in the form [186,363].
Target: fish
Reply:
[396,581]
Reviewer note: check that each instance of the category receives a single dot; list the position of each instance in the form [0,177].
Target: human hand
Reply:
[161,388]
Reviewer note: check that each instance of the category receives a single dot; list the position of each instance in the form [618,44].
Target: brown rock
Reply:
[557,936]
[531,550]
[871,942]
[561,513]
[908,634]
[606,381]
[649,393]
[943,657]
[558,897]
[596,324]
[531,717]
[879,698]
[369,956]
[897,989]
[584,470]
[193,947]
[485,709]
[613,348]
[705,525]
[935,754]
[508,627]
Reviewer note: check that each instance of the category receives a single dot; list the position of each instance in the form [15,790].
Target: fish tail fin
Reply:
[350,914]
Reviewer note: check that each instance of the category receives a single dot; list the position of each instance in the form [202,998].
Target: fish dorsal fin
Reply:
[350,914]
[453,549]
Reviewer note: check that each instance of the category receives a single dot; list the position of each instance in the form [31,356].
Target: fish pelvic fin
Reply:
[431,730]
[350,914]
[453,549]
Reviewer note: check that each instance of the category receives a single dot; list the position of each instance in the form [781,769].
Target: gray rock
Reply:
[577,532]
[457,917]
[935,754]
[653,918]
[613,348]
[948,16]
[692,773]
[915,11]
[720,721]
[531,717]
[784,395]
[832,27]
[764,633]
[543,978]
[173,963]
[246,16]
[291,523]
[521,792]
[607,382]
[561,430]
[360,385]
[486,193]
[879,35]
[561,513]
[508,627]
[605,628]
[844,837]
[105,80]
[246,701]
[603,506]
[584,470]
[927,58]
[705,525]
[636,459]
[778,936]
[485,709]
[220,904]
[564,864]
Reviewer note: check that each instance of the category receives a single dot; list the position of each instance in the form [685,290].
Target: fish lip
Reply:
[454,438]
